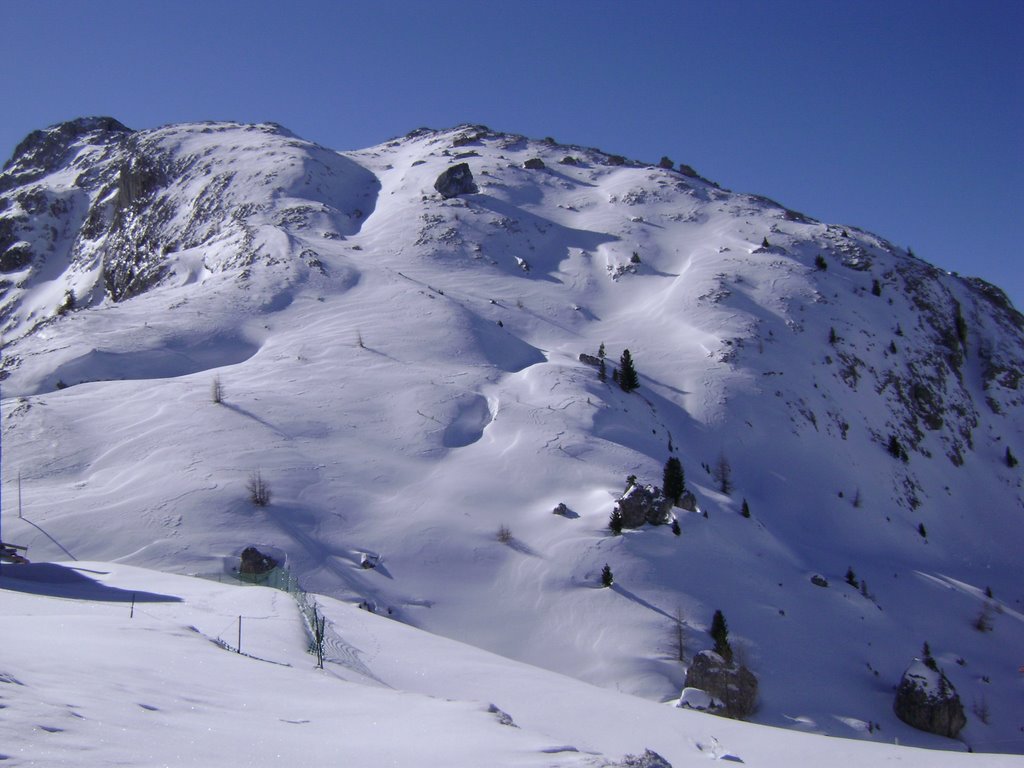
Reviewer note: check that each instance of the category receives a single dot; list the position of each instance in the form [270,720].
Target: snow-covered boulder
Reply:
[456,180]
[927,701]
[733,685]
[644,504]
[700,700]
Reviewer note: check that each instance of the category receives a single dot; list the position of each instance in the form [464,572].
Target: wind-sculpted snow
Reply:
[405,372]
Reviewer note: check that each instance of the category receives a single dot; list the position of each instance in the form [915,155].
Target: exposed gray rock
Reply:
[589,359]
[644,504]
[649,759]
[818,580]
[456,180]
[926,700]
[534,164]
[731,684]
[254,561]
[687,501]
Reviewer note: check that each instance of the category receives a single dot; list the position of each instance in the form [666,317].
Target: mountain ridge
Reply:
[311,281]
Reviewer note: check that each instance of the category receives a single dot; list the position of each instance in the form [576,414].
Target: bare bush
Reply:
[504,534]
[259,489]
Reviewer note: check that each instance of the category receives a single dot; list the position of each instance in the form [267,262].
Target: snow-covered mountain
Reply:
[403,370]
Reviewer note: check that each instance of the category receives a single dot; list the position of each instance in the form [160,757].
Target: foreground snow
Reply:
[88,680]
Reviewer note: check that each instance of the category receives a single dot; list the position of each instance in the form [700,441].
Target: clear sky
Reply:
[902,117]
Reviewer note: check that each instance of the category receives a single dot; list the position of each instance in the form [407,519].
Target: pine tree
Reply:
[851,578]
[615,521]
[745,509]
[1011,460]
[820,263]
[602,370]
[606,576]
[628,378]
[600,350]
[673,480]
[676,529]
[922,530]
[720,634]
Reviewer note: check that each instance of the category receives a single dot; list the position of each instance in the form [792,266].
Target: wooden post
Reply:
[239,648]
[131,614]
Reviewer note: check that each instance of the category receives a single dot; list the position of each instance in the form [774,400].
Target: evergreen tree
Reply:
[676,529]
[606,576]
[745,509]
[922,530]
[720,634]
[602,370]
[765,243]
[673,480]
[851,577]
[628,378]
[1011,460]
[615,521]
[876,288]
[600,350]
[820,263]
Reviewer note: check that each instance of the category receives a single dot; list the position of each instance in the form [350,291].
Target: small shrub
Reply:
[820,263]
[504,534]
[981,710]
[983,621]
[607,579]
[723,474]
[259,489]
[635,258]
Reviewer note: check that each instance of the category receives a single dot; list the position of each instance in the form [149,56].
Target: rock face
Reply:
[926,700]
[455,181]
[733,685]
[644,504]
[254,561]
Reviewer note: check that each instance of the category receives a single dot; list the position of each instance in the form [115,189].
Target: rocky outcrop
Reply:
[926,700]
[456,180]
[534,164]
[731,687]
[649,759]
[255,562]
[644,504]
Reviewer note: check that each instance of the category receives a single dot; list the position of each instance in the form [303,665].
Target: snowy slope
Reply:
[404,371]
[149,676]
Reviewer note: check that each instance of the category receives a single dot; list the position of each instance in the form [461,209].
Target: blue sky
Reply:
[904,118]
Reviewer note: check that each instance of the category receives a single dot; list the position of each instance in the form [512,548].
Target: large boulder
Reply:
[644,504]
[926,700]
[732,687]
[255,562]
[456,180]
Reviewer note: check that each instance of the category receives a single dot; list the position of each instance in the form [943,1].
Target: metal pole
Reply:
[239,649]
